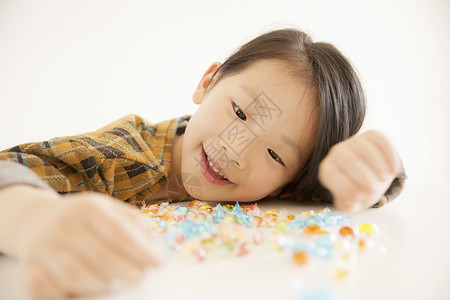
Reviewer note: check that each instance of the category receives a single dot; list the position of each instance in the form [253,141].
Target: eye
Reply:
[275,156]
[238,112]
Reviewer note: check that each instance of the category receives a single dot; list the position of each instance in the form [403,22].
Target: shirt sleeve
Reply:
[13,173]
[116,160]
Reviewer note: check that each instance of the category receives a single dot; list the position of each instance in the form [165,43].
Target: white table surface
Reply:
[415,229]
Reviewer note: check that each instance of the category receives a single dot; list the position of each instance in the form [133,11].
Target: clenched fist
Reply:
[359,170]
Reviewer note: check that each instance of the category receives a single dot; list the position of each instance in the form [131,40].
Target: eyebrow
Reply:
[291,144]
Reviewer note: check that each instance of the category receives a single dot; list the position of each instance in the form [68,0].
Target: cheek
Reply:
[210,121]
[264,179]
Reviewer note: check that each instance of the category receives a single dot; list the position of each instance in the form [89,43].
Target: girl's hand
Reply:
[77,246]
[359,170]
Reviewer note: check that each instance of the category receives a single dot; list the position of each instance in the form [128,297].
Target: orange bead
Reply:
[362,244]
[153,208]
[291,217]
[301,257]
[313,230]
[258,220]
[307,213]
[271,213]
[346,231]
[272,218]
[243,249]
[195,204]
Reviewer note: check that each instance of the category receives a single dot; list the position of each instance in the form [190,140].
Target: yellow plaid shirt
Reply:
[129,159]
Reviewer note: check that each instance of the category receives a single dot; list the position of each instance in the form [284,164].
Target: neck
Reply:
[176,156]
[175,171]
[176,185]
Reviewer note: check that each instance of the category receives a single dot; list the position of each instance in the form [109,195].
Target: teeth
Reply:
[215,169]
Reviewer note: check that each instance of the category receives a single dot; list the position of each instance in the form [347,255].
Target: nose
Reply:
[232,157]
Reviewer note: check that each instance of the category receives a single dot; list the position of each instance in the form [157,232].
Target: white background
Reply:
[68,67]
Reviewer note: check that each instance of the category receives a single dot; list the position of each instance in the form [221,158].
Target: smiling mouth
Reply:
[211,173]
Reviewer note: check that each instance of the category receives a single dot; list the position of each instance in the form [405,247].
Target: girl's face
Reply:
[256,128]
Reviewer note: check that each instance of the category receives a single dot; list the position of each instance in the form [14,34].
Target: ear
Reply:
[200,91]
[276,192]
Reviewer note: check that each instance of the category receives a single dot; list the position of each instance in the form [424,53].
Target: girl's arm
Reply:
[12,176]
[362,171]
[71,245]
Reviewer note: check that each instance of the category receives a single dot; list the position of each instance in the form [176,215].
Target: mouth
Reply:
[211,172]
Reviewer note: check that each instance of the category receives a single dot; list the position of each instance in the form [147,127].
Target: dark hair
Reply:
[341,101]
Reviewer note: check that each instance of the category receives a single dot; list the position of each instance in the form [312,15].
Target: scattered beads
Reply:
[200,230]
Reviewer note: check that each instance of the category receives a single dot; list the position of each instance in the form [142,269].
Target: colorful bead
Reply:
[271,213]
[307,213]
[281,225]
[228,207]
[346,231]
[367,228]
[208,208]
[301,258]
[313,230]
[340,274]
[218,214]
[228,219]
[153,208]
[258,220]
[243,249]
[201,252]
[361,244]
[195,204]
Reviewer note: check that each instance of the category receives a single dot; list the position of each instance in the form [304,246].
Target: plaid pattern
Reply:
[129,159]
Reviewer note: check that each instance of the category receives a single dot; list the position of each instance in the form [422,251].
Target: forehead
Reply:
[275,79]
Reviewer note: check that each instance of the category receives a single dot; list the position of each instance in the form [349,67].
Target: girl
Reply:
[277,119]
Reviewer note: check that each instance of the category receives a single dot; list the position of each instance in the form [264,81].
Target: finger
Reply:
[386,148]
[371,155]
[134,215]
[356,170]
[72,275]
[123,235]
[39,285]
[337,182]
[107,260]
[139,220]
[345,196]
